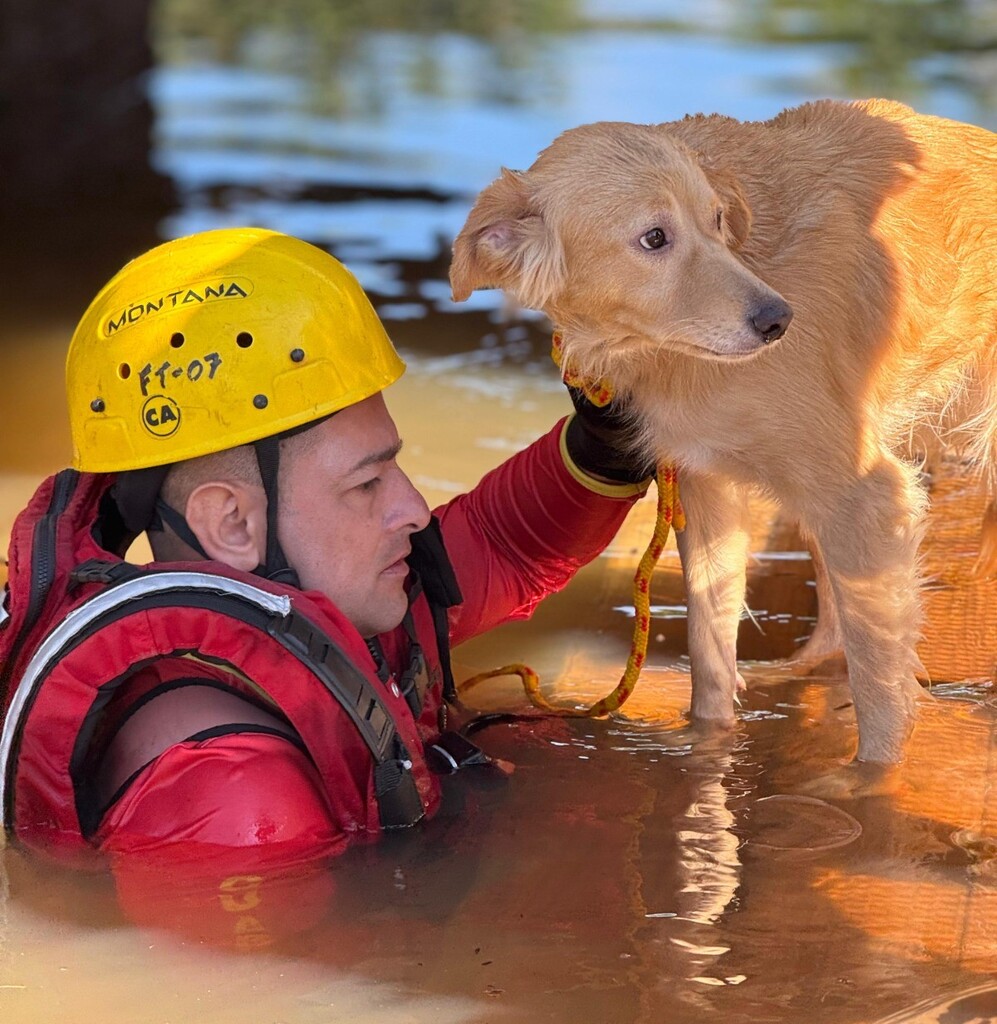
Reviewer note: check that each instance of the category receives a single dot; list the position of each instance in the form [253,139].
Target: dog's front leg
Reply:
[714,550]
[868,527]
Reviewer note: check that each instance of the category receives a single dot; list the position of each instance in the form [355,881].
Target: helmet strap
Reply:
[136,494]
[275,566]
[164,513]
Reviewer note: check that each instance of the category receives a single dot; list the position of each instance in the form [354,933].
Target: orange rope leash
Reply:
[669,514]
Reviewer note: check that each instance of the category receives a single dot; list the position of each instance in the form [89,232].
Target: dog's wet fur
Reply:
[804,306]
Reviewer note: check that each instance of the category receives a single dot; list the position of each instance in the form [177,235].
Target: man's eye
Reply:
[369,485]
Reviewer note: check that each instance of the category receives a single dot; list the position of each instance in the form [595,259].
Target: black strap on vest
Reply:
[414,679]
[431,563]
[398,799]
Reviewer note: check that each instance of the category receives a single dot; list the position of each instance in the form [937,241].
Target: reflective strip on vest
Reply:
[77,621]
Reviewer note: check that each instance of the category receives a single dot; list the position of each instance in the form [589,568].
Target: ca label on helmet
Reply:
[160,415]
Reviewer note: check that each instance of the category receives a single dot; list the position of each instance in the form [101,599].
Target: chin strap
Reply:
[163,513]
[275,565]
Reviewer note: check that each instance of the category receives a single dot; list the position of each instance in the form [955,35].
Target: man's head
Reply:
[346,512]
[224,356]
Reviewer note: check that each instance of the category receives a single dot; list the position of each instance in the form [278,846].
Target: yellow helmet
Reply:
[217,340]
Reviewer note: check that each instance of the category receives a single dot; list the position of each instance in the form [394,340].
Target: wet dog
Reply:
[805,307]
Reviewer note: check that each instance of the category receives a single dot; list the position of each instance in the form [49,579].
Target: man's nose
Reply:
[413,512]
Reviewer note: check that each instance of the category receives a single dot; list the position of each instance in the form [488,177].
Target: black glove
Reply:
[601,441]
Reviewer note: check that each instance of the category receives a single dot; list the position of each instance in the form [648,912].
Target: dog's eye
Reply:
[653,239]
[720,220]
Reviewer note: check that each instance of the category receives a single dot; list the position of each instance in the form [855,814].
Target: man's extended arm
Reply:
[525,530]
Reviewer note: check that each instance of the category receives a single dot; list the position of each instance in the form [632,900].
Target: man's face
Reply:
[347,512]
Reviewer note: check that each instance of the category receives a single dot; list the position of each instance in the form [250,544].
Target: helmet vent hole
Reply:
[177,340]
[124,371]
[244,339]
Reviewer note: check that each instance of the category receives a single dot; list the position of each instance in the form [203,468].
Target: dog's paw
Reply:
[716,697]
[716,721]
[853,781]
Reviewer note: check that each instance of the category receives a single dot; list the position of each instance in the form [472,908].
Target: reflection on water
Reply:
[632,870]
[628,870]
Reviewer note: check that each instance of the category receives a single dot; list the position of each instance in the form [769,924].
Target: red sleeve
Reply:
[524,531]
[225,841]
[237,790]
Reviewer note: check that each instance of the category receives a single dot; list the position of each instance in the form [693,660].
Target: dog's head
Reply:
[624,237]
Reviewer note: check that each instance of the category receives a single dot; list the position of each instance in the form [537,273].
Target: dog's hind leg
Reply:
[825,641]
[714,550]
[869,526]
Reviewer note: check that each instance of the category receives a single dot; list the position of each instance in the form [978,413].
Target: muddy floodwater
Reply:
[629,870]
[632,870]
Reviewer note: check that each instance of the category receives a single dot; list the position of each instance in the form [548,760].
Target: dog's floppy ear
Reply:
[737,212]
[506,244]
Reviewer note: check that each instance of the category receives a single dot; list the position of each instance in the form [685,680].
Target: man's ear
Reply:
[737,212]
[229,518]
[506,244]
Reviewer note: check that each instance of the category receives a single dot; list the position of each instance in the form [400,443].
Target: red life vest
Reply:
[81,622]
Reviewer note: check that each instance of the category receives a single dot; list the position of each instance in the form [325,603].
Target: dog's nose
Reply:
[771,319]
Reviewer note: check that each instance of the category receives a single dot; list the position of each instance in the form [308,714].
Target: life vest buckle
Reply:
[398,801]
[414,679]
[97,570]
